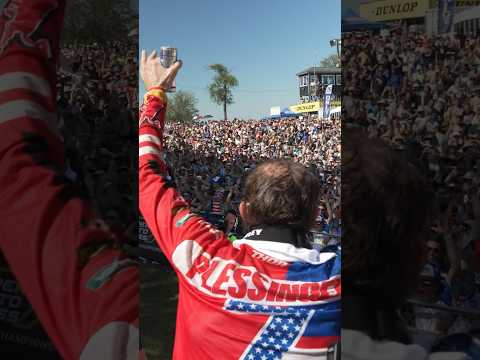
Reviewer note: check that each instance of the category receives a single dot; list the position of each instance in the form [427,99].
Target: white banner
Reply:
[275,111]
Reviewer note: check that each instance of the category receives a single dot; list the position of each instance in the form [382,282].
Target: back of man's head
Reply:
[281,192]
[387,204]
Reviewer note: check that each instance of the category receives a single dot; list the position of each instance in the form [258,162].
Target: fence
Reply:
[321,239]
[427,338]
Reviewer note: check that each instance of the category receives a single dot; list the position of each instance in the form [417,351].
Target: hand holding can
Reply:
[154,73]
[168,56]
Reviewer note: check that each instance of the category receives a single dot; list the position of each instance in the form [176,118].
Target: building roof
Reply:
[321,70]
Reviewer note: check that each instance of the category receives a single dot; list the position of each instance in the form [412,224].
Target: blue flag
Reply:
[446,13]
[326,101]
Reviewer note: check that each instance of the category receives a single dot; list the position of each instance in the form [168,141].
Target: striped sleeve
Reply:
[29,39]
[152,121]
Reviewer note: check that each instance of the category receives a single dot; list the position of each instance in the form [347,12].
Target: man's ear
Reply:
[314,218]
[243,207]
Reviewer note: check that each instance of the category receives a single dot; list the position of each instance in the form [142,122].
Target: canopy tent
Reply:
[351,21]
[336,112]
[200,117]
[286,112]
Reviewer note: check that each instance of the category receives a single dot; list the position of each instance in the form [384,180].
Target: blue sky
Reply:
[263,42]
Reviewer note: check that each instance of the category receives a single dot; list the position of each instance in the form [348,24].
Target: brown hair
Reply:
[281,192]
[387,204]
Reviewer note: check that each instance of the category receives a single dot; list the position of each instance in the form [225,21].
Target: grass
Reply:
[158,308]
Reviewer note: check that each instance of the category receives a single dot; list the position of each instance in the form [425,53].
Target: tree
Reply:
[221,88]
[330,61]
[97,21]
[182,106]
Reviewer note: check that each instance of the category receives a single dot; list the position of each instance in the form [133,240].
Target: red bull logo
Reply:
[21,24]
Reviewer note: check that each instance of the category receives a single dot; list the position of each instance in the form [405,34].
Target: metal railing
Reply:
[321,239]
[451,309]
[427,337]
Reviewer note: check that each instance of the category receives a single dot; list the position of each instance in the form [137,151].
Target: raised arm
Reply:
[166,213]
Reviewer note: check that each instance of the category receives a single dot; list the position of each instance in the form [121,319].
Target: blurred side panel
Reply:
[68,109]
[410,178]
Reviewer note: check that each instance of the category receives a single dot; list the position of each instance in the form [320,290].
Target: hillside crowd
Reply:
[209,160]
[97,97]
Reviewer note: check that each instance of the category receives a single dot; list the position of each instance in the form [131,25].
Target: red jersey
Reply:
[84,291]
[250,299]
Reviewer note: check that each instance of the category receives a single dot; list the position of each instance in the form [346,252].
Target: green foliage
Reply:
[220,89]
[182,106]
[98,21]
[330,61]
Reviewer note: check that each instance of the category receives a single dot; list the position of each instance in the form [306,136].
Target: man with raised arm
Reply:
[266,296]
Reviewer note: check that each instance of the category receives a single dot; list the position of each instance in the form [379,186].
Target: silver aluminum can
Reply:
[168,56]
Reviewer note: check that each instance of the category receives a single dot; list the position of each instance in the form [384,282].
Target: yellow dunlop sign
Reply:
[393,9]
[306,107]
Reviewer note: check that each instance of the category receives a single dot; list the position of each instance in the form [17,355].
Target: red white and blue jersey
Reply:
[250,299]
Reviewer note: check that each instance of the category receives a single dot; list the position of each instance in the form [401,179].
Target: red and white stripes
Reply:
[28,57]
[152,117]
[149,144]
[26,95]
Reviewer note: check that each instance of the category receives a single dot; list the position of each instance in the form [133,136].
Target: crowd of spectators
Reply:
[209,159]
[97,97]
[421,94]
[98,104]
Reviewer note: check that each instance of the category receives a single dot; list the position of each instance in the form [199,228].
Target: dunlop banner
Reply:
[393,9]
[306,107]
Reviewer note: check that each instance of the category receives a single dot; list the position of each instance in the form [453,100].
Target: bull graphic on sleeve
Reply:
[21,23]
